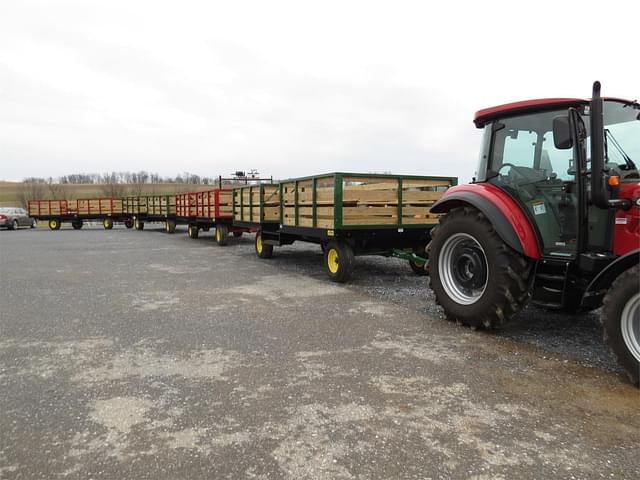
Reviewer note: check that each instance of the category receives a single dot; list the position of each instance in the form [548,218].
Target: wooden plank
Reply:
[370,221]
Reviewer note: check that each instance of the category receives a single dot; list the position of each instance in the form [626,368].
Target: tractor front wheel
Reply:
[621,321]
[476,277]
[339,261]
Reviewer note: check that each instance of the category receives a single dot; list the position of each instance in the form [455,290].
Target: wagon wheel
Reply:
[222,235]
[263,250]
[339,261]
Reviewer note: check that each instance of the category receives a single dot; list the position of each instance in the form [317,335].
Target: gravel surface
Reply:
[129,354]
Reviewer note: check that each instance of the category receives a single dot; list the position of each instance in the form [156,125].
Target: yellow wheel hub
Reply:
[332,261]
[259,243]
[218,234]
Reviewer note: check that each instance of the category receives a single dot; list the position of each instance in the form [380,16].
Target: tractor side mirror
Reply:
[562,138]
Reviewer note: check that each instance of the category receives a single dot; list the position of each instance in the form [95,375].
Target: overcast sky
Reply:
[288,88]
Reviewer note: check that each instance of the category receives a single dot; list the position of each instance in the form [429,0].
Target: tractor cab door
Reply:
[541,178]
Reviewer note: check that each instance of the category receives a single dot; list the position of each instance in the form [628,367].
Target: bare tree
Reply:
[30,190]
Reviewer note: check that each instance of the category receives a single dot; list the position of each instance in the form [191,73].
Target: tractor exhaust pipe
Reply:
[598,191]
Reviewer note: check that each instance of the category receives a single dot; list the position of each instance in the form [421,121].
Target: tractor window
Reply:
[520,148]
[525,163]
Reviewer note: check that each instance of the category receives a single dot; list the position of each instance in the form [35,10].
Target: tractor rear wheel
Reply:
[222,235]
[476,277]
[621,321]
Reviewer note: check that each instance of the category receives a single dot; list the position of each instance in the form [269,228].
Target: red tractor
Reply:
[553,215]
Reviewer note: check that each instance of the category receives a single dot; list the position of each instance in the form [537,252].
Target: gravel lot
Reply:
[129,354]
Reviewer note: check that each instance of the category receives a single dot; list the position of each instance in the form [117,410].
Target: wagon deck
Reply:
[57,212]
[205,210]
[358,214]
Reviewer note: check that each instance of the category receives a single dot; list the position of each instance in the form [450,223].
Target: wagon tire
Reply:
[54,224]
[128,223]
[621,321]
[222,235]
[339,261]
[170,226]
[138,224]
[263,250]
[77,225]
[418,268]
[237,234]
[107,223]
[192,231]
[477,279]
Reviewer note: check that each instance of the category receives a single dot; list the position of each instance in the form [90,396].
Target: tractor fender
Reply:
[506,216]
[607,275]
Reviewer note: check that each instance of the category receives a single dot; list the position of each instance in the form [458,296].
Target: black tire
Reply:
[14,225]
[193,231]
[170,226]
[206,228]
[222,235]
[54,224]
[263,250]
[418,268]
[621,321]
[128,223]
[138,224]
[107,223]
[484,282]
[339,261]
[77,225]
[237,234]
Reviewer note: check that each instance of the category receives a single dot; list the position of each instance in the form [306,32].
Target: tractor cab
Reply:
[549,176]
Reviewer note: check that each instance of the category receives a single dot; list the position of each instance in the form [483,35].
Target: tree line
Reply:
[125,178]
[114,184]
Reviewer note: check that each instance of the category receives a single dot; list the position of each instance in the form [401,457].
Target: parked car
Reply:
[14,218]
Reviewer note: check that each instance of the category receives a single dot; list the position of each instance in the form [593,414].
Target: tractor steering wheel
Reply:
[523,172]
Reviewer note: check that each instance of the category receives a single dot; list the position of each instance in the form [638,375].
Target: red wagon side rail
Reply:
[44,209]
